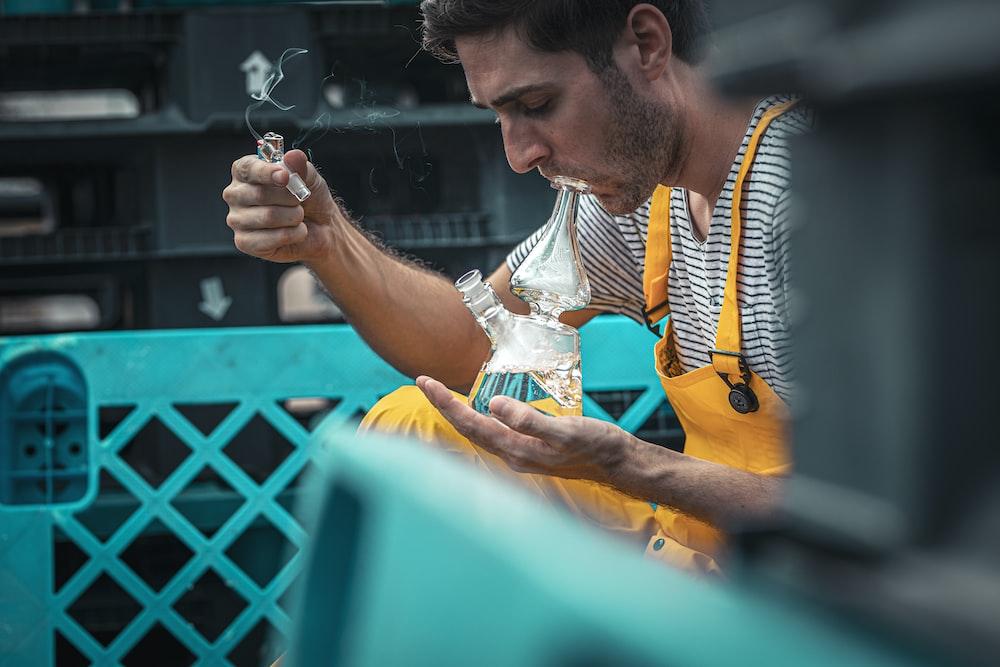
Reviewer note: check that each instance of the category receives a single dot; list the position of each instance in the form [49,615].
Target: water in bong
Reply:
[555,391]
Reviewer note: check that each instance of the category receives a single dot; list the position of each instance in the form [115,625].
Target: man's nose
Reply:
[525,149]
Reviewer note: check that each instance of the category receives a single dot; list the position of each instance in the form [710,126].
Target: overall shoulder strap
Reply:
[656,269]
[727,357]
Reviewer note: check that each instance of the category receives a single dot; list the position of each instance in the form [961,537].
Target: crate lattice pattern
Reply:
[147,571]
[209,556]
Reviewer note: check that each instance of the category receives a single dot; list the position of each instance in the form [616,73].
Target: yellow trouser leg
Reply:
[406,411]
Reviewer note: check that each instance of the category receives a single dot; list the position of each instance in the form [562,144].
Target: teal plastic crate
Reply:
[110,555]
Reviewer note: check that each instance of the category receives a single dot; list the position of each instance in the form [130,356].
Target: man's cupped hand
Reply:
[531,441]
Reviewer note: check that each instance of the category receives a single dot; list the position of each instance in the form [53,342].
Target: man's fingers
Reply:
[264,217]
[272,178]
[459,414]
[298,162]
[486,432]
[251,169]
[248,194]
[525,419]
[436,393]
[264,242]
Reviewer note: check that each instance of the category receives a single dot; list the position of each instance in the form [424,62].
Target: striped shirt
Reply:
[614,251]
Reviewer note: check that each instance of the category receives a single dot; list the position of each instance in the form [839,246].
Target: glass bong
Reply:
[535,358]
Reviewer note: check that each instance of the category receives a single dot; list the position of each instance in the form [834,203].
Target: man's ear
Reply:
[648,38]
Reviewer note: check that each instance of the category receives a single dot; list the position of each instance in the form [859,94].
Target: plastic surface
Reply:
[420,560]
[43,417]
[175,557]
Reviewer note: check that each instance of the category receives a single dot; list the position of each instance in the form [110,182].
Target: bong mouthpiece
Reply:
[570,183]
[272,149]
[551,278]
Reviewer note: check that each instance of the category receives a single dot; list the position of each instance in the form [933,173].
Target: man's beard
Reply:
[642,145]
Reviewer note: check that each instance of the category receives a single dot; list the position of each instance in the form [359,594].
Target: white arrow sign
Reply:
[257,68]
[214,301]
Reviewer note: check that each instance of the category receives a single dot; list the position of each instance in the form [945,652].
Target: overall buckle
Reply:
[741,396]
[653,326]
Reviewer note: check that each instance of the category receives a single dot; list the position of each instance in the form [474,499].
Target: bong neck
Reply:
[495,321]
[484,304]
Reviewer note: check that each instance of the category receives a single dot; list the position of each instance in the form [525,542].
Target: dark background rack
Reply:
[128,211]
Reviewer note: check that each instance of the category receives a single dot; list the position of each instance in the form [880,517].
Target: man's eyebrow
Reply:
[509,96]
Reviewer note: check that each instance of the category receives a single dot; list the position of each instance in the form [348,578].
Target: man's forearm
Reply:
[412,317]
[712,492]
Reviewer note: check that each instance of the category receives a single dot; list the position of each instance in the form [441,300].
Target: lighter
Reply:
[272,149]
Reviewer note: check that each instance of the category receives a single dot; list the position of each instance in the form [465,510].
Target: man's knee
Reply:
[399,411]
[407,411]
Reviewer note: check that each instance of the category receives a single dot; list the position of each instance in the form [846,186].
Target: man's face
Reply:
[560,117]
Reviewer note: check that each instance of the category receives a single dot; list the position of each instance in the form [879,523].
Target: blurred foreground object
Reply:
[418,559]
[894,506]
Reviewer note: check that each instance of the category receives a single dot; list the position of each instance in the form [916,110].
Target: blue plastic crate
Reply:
[109,552]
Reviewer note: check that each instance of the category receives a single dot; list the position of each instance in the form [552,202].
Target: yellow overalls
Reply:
[714,430]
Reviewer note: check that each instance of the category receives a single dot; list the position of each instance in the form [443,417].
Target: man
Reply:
[613,93]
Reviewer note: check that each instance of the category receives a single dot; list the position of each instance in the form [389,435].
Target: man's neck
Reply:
[716,128]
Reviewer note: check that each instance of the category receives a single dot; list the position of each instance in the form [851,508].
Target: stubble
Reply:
[642,146]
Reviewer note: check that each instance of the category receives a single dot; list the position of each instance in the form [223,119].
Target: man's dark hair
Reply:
[589,27]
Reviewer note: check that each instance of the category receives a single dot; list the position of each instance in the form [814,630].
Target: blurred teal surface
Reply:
[446,566]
